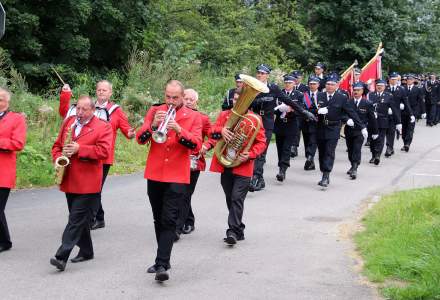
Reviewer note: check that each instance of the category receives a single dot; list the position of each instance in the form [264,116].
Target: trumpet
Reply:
[160,135]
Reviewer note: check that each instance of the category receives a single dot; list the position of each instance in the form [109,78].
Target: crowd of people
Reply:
[179,136]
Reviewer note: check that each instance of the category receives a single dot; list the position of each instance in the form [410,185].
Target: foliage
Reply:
[400,244]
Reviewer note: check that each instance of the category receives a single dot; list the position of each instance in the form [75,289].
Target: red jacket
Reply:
[84,173]
[170,162]
[12,139]
[209,143]
[118,120]
[258,147]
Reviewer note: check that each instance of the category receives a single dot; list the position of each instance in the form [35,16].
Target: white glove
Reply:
[323,111]
[399,128]
[413,119]
[390,111]
[283,108]
[374,136]
[364,133]
[423,116]
[350,122]
[402,106]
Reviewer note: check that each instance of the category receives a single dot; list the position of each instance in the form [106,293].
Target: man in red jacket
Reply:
[168,168]
[236,181]
[186,219]
[12,139]
[106,110]
[90,143]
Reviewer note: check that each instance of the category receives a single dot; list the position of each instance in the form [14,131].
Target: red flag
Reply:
[373,69]
[347,79]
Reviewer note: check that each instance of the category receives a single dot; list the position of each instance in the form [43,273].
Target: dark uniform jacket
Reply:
[228,101]
[400,97]
[381,104]
[329,125]
[415,100]
[265,103]
[288,124]
[365,111]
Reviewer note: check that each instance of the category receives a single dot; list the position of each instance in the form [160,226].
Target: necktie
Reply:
[329,98]
[392,89]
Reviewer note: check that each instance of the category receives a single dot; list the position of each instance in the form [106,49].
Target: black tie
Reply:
[329,98]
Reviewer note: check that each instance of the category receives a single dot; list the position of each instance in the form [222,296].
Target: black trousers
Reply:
[326,148]
[310,141]
[437,114]
[407,130]
[284,145]
[166,199]
[5,239]
[431,111]
[297,132]
[261,160]
[391,135]
[99,214]
[77,231]
[377,145]
[186,215]
[354,145]
[236,188]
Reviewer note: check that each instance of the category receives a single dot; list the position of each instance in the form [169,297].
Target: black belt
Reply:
[331,123]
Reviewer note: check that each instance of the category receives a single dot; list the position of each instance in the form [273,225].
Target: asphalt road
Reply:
[295,247]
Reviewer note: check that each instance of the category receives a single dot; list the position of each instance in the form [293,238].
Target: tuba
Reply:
[244,126]
[63,161]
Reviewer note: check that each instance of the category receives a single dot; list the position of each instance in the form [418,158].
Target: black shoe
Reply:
[389,152]
[161,274]
[5,248]
[350,170]
[79,258]
[97,224]
[377,160]
[231,238]
[294,152]
[240,238]
[406,148]
[253,184]
[281,174]
[187,229]
[59,264]
[325,181]
[353,173]
[372,160]
[152,269]
[260,184]
[309,165]
[403,148]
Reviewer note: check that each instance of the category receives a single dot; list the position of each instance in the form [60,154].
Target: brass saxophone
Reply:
[63,161]
[245,126]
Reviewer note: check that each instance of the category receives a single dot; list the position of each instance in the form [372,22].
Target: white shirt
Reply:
[330,95]
[2,113]
[78,126]
[410,87]
[357,101]
[393,87]
[103,105]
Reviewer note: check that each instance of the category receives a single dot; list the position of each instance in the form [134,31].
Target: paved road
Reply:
[293,247]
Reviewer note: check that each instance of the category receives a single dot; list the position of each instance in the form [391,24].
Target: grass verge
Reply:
[401,244]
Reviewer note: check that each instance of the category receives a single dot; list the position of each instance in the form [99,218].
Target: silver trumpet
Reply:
[160,135]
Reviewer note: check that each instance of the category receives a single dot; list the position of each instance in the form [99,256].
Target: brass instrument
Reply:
[245,126]
[63,161]
[160,135]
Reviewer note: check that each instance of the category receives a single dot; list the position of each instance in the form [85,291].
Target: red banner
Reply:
[373,69]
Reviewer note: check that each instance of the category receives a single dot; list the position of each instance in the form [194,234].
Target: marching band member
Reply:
[186,216]
[236,181]
[12,140]
[168,166]
[353,134]
[286,126]
[332,107]
[86,141]
[106,110]
[384,110]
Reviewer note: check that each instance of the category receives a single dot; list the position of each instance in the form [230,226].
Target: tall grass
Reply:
[401,244]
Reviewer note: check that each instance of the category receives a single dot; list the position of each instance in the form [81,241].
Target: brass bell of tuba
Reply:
[245,126]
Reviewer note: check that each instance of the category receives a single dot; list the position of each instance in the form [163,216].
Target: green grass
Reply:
[401,244]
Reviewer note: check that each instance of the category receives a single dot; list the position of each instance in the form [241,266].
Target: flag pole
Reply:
[378,52]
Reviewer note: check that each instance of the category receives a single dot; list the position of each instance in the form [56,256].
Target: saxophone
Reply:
[245,126]
[63,161]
